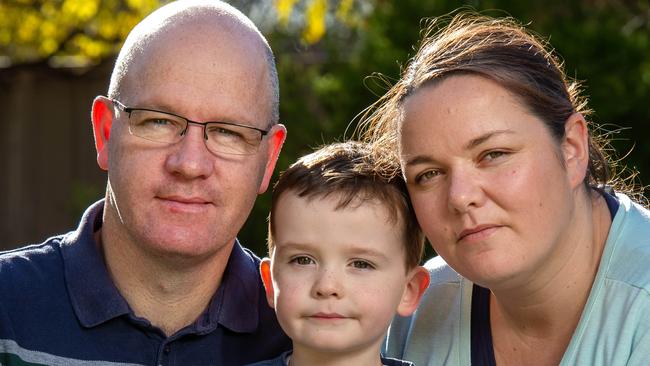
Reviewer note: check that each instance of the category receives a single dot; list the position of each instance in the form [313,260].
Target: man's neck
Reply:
[169,295]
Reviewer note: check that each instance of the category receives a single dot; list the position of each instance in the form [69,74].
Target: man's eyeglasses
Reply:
[220,137]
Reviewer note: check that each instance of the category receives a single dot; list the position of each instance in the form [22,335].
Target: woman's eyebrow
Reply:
[486,136]
[426,159]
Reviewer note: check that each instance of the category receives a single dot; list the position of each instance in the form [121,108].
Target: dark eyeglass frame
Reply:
[128,110]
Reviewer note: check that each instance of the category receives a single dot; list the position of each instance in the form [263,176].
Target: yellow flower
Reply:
[315,21]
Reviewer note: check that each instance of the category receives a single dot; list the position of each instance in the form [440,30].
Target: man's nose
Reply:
[190,158]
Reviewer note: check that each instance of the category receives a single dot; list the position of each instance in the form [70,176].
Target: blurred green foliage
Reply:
[327,51]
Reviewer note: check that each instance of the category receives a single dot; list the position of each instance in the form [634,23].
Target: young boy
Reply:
[345,250]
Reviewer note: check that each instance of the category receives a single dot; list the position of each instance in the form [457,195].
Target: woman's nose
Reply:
[464,190]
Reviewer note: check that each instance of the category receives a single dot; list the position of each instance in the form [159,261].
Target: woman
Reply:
[540,263]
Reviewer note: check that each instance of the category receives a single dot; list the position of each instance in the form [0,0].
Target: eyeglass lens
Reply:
[168,128]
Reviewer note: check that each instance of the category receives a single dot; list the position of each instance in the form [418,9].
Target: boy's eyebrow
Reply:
[353,250]
[368,252]
[293,246]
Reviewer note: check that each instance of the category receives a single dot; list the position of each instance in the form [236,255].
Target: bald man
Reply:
[154,274]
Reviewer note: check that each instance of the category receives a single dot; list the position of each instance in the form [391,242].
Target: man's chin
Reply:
[180,244]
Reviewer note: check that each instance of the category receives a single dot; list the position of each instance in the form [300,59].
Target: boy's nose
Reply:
[327,285]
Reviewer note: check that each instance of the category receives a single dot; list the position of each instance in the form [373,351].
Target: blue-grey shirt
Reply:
[58,306]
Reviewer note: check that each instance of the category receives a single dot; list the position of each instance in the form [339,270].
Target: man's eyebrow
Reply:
[167,108]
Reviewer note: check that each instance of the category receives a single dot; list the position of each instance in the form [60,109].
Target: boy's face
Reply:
[338,276]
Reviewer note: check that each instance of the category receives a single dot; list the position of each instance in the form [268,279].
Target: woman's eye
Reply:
[361,264]
[492,155]
[302,260]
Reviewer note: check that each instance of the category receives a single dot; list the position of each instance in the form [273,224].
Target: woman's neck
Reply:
[536,320]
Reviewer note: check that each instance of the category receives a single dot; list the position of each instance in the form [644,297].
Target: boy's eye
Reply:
[302,260]
[361,264]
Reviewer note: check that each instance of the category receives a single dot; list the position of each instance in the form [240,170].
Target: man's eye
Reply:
[221,132]
[161,123]
[224,131]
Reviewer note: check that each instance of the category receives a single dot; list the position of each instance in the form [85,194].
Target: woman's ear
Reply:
[102,119]
[417,283]
[267,279]
[575,148]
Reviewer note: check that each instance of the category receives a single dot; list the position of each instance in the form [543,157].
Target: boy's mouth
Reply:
[326,316]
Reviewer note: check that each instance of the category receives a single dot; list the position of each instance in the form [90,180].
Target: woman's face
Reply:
[488,182]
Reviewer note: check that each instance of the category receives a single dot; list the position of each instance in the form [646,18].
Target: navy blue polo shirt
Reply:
[58,306]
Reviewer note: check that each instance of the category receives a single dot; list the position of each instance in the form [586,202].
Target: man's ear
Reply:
[102,118]
[267,279]
[575,148]
[277,135]
[417,283]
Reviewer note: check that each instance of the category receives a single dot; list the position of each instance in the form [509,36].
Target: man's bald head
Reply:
[210,20]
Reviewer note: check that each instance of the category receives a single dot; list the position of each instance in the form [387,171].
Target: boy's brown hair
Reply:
[347,171]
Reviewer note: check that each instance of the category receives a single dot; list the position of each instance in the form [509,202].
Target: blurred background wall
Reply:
[47,160]
[56,55]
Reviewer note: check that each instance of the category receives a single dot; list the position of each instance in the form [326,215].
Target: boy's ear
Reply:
[575,148]
[417,282]
[102,119]
[265,271]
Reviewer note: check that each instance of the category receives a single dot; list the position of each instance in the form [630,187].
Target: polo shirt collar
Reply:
[93,295]
[236,303]
[95,298]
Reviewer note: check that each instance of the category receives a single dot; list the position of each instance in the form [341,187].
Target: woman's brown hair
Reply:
[502,50]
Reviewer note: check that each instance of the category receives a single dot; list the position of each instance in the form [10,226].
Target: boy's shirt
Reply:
[283,360]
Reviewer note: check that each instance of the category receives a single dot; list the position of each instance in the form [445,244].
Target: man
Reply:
[154,274]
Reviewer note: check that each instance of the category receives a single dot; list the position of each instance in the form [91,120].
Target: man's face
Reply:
[180,200]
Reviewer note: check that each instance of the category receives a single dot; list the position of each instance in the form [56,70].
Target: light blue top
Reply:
[614,328]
